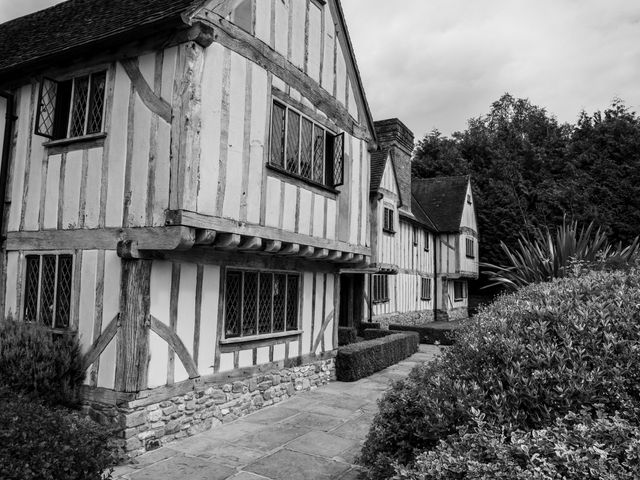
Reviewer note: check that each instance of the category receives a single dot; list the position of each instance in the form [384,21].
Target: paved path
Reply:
[313,435]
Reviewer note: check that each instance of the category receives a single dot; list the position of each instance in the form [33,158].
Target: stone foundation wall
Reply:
[144,426]
[409,318]
[458,313]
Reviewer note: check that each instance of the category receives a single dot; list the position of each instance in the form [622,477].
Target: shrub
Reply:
[428,335]
[346,335]
[38,363]
[529,358]
[575,446]
[43,443]
[372,333]
[360,360]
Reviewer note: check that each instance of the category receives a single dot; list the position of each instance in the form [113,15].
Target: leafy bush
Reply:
[529,358]
[360,360]
[543,256]
[38,363]
[347,335]
[42,443]
[575,447]
[372,333]
[428,335]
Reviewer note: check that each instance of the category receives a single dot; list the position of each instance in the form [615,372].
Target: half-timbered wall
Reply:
[188,298]
[469,230]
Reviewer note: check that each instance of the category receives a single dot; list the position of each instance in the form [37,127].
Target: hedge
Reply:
[428,335]
[372,333]
[360,360]
[38,442]
[347,335]
[527,359]
[40,364]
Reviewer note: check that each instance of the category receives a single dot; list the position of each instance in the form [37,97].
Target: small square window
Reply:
[459,291]
[71,108]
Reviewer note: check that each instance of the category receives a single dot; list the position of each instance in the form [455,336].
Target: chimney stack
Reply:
[395,137]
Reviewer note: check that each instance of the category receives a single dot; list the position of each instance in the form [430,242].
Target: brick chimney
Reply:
[395,137]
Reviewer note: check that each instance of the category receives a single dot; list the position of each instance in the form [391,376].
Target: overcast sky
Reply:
[437,63]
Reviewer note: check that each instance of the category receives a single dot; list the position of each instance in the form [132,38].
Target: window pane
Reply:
[293,141]
[266,302]
[279,294]
[232,304]
[96,105]
[31,289]
[277,135]
[306,146]
[47,107]
[250,303]
[79,106]
[48,285]
[292,302]
[318,153]
[63,292]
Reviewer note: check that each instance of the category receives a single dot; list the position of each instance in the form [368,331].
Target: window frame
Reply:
[72,294]
[226,339]
[388,219]
[332,165]
[415,235]
[425,288]
[470,249]
[61,126]
[379,288]
[463,291]
[426,241]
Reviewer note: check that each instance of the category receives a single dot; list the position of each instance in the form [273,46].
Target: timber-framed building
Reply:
[184,181]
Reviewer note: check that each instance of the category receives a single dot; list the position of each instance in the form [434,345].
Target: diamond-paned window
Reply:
[47,293]
[71,108]
[305,148]
[260,303]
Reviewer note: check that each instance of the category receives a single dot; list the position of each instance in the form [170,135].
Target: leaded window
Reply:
[459,291]
[425,288]
[305,148]
[380,288]
[470,248]
[47,292]
[260,303]
[71,108]
[388,221]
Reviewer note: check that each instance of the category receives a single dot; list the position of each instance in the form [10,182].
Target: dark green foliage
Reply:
[428,335]
[545,256]
[573,447]
[44,443]
[530,171]
[373,333]
[40,364]
[346,335]
[529,358]
[360,360]
[365,325]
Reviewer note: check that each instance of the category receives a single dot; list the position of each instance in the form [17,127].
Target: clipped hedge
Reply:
[428,335]
[362,326]
[372,333]
[528,359]
[37,363]
[38,442]
[347,335]
[360,360]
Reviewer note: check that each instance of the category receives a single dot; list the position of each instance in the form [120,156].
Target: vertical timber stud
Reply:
[133,336]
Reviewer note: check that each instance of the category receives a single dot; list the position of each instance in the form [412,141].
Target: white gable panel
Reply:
[468,213]
[389,181]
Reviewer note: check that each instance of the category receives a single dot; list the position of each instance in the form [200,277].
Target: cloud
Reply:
[439,63]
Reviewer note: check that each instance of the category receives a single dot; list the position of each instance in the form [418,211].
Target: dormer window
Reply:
[71,108]
[305,148]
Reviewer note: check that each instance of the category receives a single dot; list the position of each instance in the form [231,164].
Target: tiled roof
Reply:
[378,162]
[75,23]
[421,215]
[442,199]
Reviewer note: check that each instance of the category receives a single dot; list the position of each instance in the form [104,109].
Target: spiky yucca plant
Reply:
[544,256]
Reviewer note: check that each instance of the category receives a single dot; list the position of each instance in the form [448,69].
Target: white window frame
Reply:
[380,288]
[425,288]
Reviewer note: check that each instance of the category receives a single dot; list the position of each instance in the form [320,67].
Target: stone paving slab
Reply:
[314,435]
